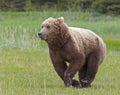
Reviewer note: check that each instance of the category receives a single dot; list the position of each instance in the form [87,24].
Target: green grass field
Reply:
[25,66]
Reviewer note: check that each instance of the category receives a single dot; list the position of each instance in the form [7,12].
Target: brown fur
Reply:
[82,48]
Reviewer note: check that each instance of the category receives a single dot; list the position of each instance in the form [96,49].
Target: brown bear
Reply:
[81,48]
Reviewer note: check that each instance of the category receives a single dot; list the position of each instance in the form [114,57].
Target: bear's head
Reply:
[52,28]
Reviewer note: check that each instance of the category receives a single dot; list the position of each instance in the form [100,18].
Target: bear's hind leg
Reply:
[92,68]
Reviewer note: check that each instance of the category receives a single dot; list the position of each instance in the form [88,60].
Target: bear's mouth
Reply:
[42,36]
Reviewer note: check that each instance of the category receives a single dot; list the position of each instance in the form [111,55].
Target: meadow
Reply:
[25,66]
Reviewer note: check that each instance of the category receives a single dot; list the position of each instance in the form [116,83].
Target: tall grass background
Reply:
[19,29]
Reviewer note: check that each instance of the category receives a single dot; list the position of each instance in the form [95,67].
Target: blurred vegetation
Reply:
[102,6]
[19,29]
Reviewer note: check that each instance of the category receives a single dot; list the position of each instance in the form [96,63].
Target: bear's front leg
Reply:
[70,72]
[67,79]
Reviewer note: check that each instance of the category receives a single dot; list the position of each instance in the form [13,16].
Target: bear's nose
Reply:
[42,36]
[39,34]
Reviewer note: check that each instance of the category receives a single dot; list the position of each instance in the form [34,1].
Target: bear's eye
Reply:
[48,27]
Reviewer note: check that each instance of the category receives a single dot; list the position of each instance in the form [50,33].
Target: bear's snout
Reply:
[42,36]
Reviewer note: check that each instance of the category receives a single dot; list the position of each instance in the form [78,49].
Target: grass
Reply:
[30,72]
[25,66]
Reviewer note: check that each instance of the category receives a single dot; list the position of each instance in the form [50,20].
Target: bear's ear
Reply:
[60,19]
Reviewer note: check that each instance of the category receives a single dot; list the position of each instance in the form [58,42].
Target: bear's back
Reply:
[87,39]
[87,36]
